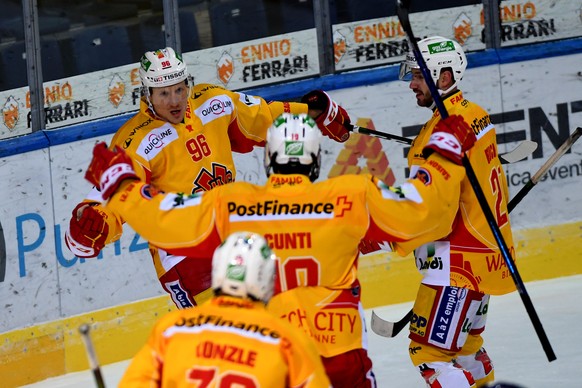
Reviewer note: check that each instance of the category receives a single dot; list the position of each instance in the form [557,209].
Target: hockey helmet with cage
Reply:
[163,67]
[293,146]
[439,53]
[244,266]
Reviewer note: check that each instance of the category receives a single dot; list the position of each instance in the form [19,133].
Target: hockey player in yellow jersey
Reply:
[230,340]
[461,270]
[314,228]
[182,140]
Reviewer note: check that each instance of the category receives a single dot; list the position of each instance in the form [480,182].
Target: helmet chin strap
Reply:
[149,101]
[450,89]
[443,93]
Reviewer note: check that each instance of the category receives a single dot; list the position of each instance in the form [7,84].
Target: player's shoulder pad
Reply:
[477,118]
[349,182]
[130,133]
[202,90]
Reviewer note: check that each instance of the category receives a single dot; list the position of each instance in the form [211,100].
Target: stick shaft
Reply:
[383,135]
[545,168]
[506,158]
[92,356]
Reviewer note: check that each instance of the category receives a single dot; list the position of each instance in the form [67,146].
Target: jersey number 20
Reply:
[205,377]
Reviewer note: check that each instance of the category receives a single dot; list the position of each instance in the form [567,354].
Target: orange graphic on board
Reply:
[116,90]
[339,46]
[363,147]
[10,113]
[462,28]
[225,68]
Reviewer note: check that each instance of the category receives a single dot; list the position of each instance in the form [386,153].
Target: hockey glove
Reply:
[334,121]
[108,169]
[87,231]
[451,137]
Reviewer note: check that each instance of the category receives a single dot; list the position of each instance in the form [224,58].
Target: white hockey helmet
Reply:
[244,266]
[163,67]
[438,53]
[293,146]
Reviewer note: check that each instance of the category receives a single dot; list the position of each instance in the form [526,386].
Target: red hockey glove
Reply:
[451,137]
[334,121]
[87,231]
[108,169]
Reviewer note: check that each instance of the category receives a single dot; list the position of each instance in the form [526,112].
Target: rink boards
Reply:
[56,348]
[47,292]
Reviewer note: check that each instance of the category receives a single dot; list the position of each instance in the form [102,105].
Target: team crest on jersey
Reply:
[207,180]
[149,191]
[423,176]
[156,140]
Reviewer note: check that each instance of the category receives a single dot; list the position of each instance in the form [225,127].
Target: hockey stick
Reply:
[2,255]
[402,12]
[93,363]
[544,169]
[387,328]
[382,135]
[521,151]
[391,329]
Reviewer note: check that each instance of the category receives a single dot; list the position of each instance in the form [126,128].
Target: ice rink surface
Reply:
[510,340]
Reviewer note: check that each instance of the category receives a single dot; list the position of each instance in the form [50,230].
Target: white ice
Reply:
[510,340]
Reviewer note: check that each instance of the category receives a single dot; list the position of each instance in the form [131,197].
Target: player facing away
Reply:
[314,228]
[230,340]
[461,270]
[182,140]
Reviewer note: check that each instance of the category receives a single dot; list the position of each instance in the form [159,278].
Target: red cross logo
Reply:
[342,204]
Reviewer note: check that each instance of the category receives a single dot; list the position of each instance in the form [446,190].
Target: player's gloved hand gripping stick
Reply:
[334,121]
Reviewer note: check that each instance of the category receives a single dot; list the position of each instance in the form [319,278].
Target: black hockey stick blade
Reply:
[387,328]
[544,169]
[402,12]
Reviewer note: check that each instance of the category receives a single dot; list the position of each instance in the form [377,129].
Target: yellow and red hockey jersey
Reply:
[225,342]
[314,228]
[195,155]
[470,257]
